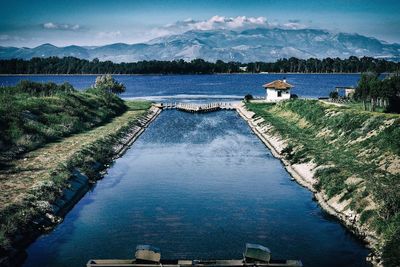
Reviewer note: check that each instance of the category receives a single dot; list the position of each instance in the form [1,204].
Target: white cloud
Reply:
[49,25]
[293,26]
[213,23]
[108,35]
[6,37]
[59,26]
[221,22]
[225,23]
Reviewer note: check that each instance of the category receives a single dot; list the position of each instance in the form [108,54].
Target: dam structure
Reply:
[199,108]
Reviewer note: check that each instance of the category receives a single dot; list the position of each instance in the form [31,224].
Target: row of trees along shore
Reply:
[72,65]
[374,92]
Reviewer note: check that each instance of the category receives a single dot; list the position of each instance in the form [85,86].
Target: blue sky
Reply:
[86,22]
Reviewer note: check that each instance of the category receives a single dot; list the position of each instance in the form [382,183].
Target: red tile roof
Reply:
[278,84]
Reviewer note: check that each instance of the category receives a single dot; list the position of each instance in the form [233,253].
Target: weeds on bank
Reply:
[44,137]
[354,147]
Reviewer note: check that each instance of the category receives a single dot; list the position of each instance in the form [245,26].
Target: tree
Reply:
[334,95]
[109,84]
[391,92]
[375,86]
[71,65]
[248,97]
[367,84]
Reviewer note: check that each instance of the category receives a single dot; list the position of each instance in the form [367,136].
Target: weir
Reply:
[198,108]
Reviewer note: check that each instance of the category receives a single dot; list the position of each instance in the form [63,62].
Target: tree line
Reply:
[374,92]
[72,65]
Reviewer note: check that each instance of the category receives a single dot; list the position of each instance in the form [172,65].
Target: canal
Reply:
[197,186]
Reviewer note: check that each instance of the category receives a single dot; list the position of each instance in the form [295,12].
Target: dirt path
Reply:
[36,166]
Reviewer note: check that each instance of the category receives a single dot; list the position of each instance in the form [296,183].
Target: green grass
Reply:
[337,137]
[29,121]
[360,106]
[23,185]
[44,137]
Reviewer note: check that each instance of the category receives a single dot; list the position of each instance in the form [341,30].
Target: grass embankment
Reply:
[360,155]
[360,106]
[33,114]
[83,128]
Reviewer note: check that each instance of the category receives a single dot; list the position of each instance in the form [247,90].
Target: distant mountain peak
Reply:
[46,45]
[256,44]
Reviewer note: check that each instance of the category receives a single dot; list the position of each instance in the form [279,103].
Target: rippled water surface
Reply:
[201,87]
[197,186]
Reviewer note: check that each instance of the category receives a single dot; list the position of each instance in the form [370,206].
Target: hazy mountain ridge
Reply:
[259,44]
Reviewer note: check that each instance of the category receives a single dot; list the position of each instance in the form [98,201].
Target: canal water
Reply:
[198,186]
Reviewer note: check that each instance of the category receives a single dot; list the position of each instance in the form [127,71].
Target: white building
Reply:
[277,90]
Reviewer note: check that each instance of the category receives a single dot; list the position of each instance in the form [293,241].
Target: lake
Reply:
[202,88]
[198,186]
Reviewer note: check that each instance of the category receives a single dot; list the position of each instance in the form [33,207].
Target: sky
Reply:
[91,23]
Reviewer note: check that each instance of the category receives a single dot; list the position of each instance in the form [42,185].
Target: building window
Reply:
[279,93]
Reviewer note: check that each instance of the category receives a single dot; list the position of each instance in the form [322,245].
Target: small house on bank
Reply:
[277,90]
[348,90]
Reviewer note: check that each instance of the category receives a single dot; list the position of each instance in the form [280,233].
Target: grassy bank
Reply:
[358,154]
[36,176]
[33,114]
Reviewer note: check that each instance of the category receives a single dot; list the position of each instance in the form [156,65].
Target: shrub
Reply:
[366,215]
[248,97]
[333,95]
[109,84]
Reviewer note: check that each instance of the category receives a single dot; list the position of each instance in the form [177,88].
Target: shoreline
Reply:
[179,74]
[76,187]
[303,175]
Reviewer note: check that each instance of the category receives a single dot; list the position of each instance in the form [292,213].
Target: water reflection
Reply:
[197,186]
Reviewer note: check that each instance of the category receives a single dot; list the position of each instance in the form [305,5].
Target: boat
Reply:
[149,256]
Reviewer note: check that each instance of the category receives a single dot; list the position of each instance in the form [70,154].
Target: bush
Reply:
[366,215]
[109,84]
[248,97]
[333,95]
[391,251]
[42,89]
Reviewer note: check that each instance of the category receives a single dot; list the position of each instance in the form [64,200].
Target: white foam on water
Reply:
[184,97]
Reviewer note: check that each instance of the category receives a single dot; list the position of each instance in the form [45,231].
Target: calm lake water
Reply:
[204,87]
[198,186]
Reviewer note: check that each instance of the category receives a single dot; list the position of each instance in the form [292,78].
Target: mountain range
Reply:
[258,44]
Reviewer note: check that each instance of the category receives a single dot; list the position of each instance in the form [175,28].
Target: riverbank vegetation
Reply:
[52,133]
[374,92]
[33,114]
[358,158]
[71,65]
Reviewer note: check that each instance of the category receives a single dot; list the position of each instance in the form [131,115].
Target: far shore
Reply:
[162,74]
